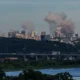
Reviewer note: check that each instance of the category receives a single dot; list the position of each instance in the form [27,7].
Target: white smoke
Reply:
[63,15]
[54,20]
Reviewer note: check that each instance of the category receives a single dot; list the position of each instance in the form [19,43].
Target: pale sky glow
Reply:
[14,12]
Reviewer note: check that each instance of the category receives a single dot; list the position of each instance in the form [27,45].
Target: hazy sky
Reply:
[14,12]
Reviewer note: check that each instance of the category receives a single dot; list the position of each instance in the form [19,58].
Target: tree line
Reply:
[17,45]
[30,74]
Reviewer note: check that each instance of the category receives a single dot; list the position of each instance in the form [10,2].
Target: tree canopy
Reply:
[16,45]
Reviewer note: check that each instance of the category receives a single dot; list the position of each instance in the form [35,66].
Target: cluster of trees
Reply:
[16,45]
[77,44]
[20,65]
[36,75]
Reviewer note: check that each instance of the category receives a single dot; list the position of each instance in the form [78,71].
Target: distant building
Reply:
[51,38]
[76,35]
[18,35]
[3,34]
[43,37]
[9,34]
[38,38]
[14,34]
[34,34]
[23,32]
[47,37]
[43,34]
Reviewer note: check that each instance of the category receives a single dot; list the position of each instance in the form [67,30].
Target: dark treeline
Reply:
[16,45]
[77,44]
[40,64]
[30,74]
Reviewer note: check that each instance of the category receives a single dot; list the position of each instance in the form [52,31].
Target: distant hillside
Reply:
[17,45]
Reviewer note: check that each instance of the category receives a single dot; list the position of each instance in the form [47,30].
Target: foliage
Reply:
[16,45]
[30,74]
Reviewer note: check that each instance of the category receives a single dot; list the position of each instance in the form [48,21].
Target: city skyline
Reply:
[13,13]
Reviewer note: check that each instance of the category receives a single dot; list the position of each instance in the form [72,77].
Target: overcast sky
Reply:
[14,12]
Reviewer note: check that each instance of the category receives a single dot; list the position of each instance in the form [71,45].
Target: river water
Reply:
[75,72]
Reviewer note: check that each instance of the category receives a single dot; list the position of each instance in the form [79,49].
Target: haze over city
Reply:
[13,13]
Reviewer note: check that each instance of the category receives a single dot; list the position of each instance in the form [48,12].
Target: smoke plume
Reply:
[68,28]
[53,21]
[63,15]
[28,26]
[60,20]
